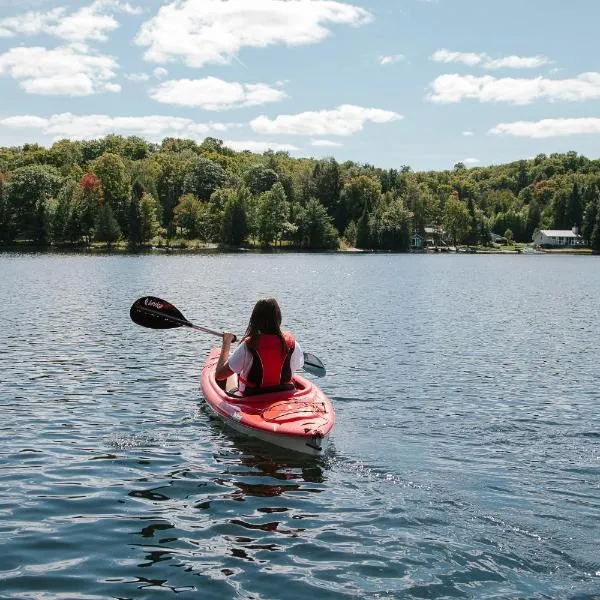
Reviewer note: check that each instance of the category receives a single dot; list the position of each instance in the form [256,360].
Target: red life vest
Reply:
[270,363]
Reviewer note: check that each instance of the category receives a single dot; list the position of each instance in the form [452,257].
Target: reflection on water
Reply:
[464,462]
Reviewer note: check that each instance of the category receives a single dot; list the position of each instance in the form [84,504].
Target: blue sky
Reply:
[425,83]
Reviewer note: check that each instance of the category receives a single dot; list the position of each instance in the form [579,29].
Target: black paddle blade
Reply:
[314,365]
[155,313]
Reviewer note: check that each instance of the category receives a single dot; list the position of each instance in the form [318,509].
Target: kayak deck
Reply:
[298,419]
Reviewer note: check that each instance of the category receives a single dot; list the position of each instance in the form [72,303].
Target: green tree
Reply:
[360,192]
[107,228]
[7,218]
[273,213]
[394,227]
[88,197]
[116,185]
[350,234]
[203,177]
[235,219]
[187,215]
[314,227]
[595,240]
[363,230]
[259,179]
[591,212]
[62,214]
[327,178]
[456,219]
[29,193]
[149,222]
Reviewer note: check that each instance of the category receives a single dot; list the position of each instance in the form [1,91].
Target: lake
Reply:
[465,461]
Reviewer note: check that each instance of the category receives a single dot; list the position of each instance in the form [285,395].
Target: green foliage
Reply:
[29,192]
[456,219]
[149,222]
[235,218]
[187,215]
[116,185]
[273,212]
[315,228]
[203,177]
[259,179]
[107,228]
[375,208]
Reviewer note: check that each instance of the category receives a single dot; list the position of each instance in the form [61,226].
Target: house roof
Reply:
[559,233]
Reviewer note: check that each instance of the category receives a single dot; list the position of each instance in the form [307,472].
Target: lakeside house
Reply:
[558,238]
[416,242]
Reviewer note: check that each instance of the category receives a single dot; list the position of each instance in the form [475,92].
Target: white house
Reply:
[558,238]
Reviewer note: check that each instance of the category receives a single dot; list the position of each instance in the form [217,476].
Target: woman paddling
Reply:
[267,356]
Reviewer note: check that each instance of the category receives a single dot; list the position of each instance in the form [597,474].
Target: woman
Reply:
[267,356]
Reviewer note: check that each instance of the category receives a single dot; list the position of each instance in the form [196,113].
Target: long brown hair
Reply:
[265,318]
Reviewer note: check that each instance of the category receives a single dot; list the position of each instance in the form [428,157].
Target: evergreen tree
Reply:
[235,219]
[595,241]
[107,228]
[363,230]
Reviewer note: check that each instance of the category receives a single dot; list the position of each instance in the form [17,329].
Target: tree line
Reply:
[126,189]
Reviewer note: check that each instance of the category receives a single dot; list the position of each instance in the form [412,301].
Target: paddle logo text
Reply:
[153,303]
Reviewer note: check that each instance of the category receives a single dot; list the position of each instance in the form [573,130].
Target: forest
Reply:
[125,190]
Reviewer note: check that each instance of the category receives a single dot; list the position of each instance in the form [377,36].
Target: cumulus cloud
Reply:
[343,120]
[468,133]
[200,32]
[259,146]
[482,59]
[93,22]
[455,88]
[211,93]
[548,127]
[60,71]
[470,161]
[155,127]
[390,60]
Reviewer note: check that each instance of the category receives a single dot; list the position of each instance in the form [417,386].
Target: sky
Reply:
[423,83]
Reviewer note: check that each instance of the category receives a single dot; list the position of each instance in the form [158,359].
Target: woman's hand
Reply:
[228,337]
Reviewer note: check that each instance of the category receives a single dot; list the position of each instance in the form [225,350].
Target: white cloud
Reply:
[92,22]
[549,128]
[211,93]
[154,127]
[471,161]
[467,58]
[59,71]
[343,120]
[259,146]
[455,88]
[138,77]
[468,133]
[390,60]
[482,59]
[160,72]
[325,144]
[200,32]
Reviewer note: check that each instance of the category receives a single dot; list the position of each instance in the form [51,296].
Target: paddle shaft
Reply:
[184,322]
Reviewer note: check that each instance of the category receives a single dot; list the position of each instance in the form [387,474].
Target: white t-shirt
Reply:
[241,361]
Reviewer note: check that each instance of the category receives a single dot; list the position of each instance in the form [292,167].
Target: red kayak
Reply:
[298,419]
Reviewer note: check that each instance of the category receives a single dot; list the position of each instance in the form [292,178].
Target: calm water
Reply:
[465,462]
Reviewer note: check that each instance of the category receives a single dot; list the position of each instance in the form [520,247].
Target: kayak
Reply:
[298,419]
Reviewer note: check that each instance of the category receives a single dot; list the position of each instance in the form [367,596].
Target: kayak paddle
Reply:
[152,312]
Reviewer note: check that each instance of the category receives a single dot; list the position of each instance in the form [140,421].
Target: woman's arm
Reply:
[223,371]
